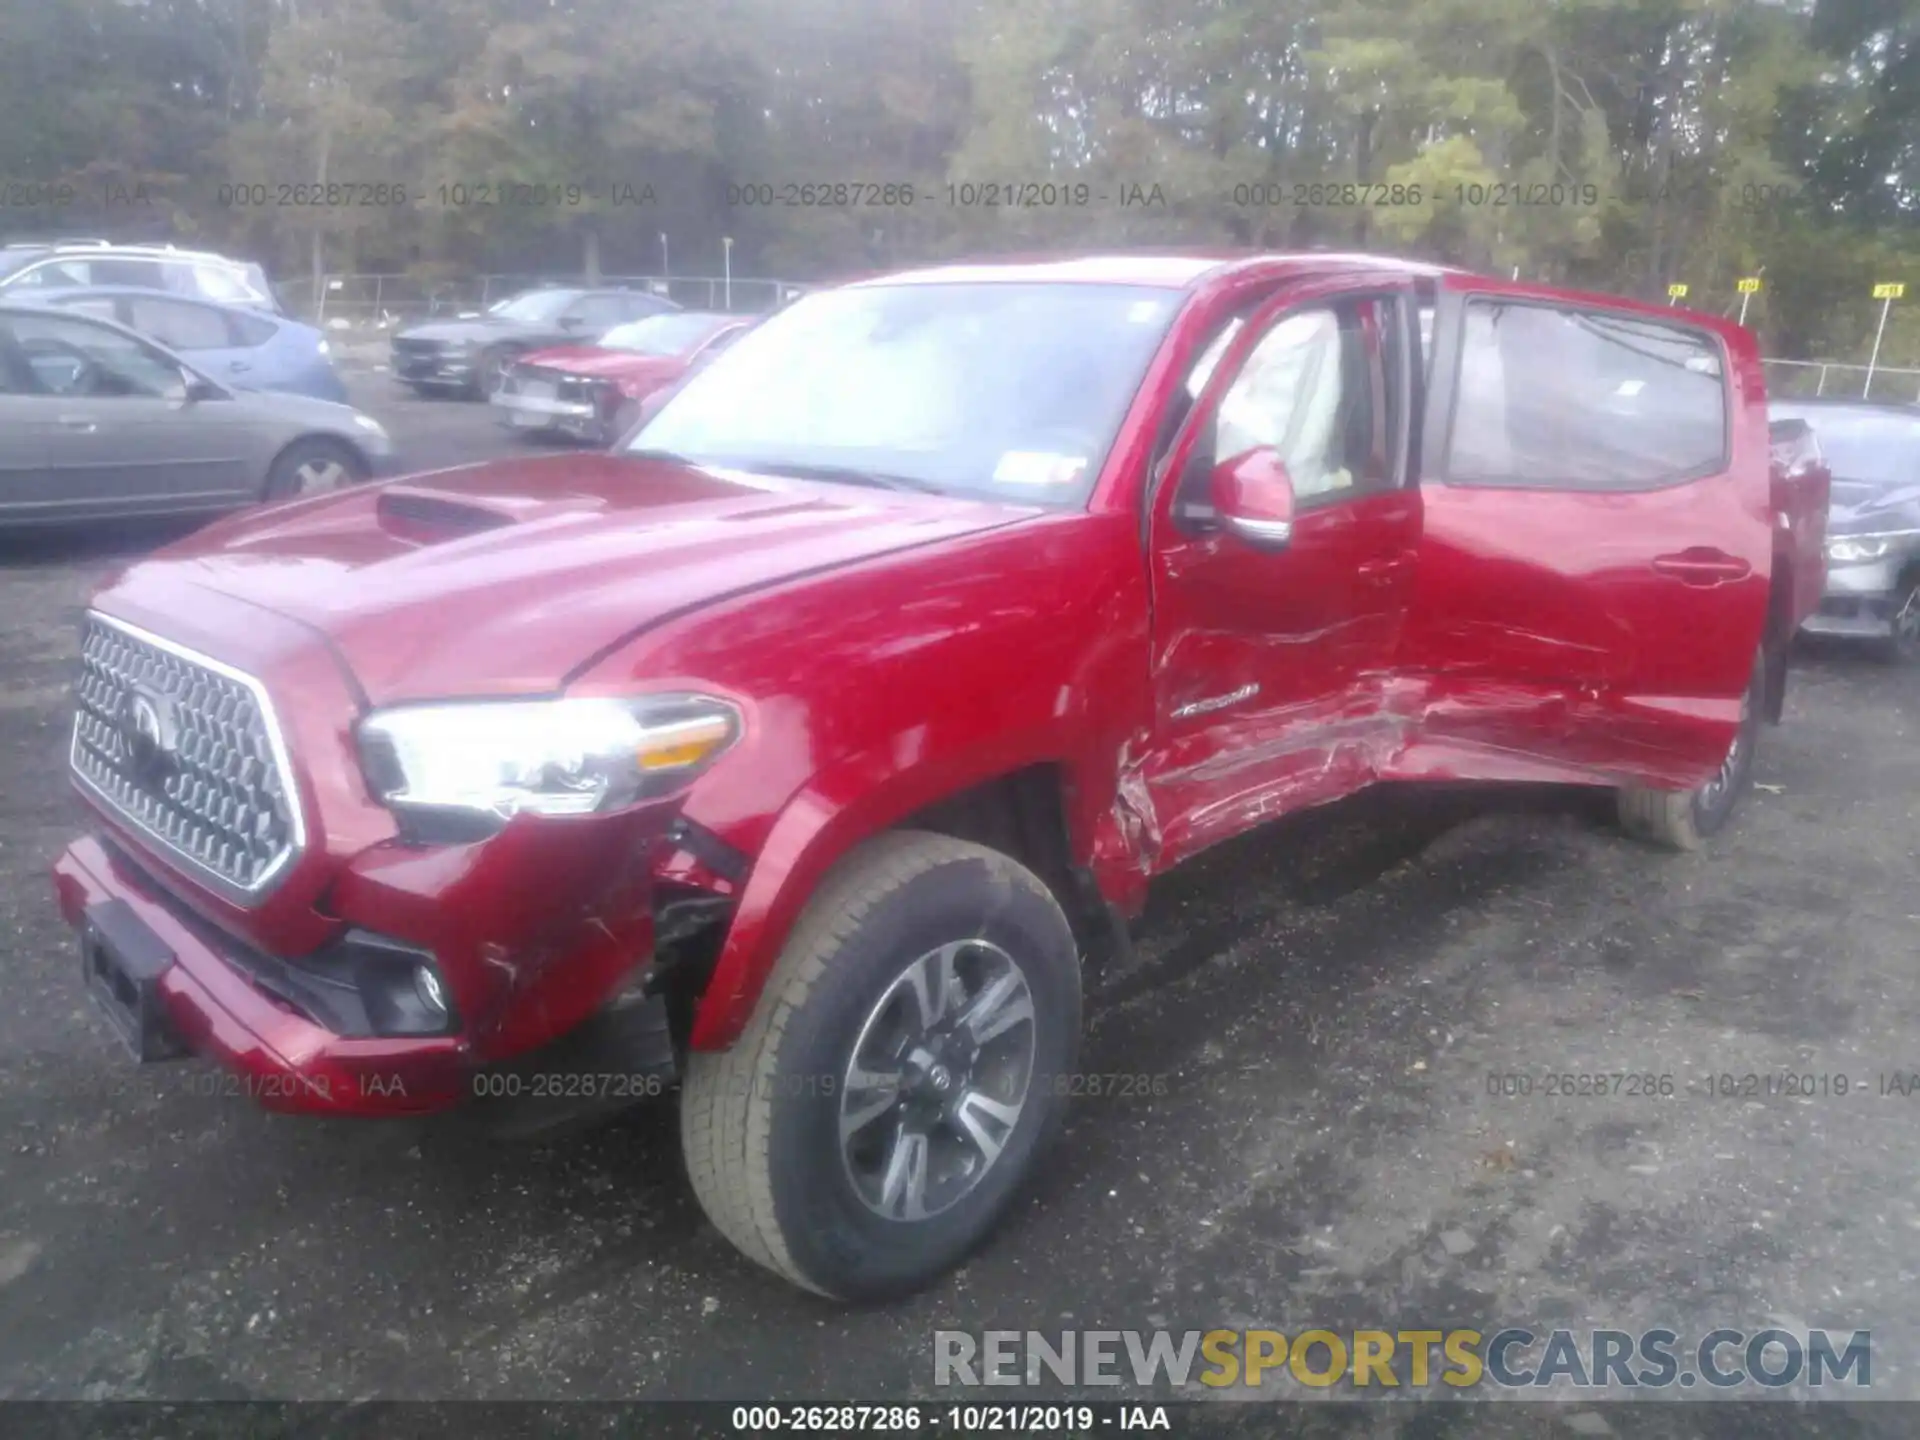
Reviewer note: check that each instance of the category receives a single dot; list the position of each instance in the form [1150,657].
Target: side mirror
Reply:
[572,322]
[195,388]
[1253,497]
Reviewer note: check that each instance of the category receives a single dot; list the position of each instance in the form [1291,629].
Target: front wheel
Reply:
[1687,819]
[906,1065]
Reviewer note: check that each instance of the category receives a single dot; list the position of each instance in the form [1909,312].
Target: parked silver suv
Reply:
[67,264]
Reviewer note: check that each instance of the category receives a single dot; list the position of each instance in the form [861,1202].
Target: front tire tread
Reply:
[726,1109]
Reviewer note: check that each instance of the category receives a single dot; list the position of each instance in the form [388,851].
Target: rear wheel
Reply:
[1686,819]
[313,467]
[903,1070]
[1902,645]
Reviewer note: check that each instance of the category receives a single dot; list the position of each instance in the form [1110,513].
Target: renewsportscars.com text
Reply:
[1510,1358]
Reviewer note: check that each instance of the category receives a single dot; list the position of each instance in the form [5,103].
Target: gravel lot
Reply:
[1325,1001]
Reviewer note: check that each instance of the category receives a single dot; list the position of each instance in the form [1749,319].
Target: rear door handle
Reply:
[1702,566]
[238,365]
[77,422]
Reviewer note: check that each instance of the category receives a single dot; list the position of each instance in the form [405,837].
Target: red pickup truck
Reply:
[799,751]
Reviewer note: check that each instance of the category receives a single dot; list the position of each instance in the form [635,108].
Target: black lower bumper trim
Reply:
[622,1057]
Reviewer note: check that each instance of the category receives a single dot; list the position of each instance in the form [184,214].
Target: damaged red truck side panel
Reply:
[799,749]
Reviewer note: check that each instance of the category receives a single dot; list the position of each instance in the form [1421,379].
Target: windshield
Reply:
[1008,390]
[1866,448]
[535,307]
[660,334]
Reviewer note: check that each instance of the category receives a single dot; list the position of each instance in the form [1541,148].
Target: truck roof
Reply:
[1169,270]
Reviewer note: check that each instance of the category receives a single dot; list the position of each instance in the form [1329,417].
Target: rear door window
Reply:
[105,306]
[179,324]
[1570,398]
[120,270]
[217,282]
[250,330]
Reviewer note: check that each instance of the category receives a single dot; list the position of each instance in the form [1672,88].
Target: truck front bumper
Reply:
[538,942]
[188,990]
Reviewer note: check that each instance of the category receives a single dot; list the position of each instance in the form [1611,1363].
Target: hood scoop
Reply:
[430,515]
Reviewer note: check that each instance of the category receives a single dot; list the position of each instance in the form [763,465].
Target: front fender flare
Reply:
[840,807]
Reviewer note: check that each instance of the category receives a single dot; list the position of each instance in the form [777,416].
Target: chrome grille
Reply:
[187,750]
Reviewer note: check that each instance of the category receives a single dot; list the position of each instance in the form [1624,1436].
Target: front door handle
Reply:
[78,422]
[239,365]
[1702,565]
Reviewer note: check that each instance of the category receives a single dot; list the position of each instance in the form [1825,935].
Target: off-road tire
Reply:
[762,1144]
[1687,819]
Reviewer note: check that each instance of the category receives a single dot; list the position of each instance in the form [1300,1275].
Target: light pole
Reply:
[666,265]
[1886,295]
[726,262]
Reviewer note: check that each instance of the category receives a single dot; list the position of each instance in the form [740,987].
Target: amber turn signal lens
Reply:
[675,747]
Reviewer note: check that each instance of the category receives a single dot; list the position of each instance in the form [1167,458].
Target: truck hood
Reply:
[504,578]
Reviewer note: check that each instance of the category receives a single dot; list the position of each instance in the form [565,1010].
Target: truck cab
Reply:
[801,750]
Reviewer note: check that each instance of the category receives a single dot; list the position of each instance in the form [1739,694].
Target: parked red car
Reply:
[594,392]
[800,749]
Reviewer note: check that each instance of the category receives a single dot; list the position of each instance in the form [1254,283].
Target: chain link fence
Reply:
[399,297]
[368,301]
[1803,379]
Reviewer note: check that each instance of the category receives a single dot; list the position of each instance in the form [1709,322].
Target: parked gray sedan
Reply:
[97,420]
[1873,524]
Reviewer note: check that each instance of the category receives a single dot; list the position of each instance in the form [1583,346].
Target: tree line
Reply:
[1625,145]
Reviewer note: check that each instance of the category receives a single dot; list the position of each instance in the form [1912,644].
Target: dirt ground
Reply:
[1326,1003]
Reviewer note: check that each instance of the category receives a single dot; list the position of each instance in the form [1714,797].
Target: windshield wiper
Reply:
[845,474]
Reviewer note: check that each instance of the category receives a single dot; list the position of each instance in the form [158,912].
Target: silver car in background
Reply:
[28,266]
[97,420]
[1873,524]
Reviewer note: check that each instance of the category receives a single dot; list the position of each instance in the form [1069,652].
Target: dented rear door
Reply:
[1594,561]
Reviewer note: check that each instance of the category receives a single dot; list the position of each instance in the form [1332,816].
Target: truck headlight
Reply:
[1859,548]
[549,757]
